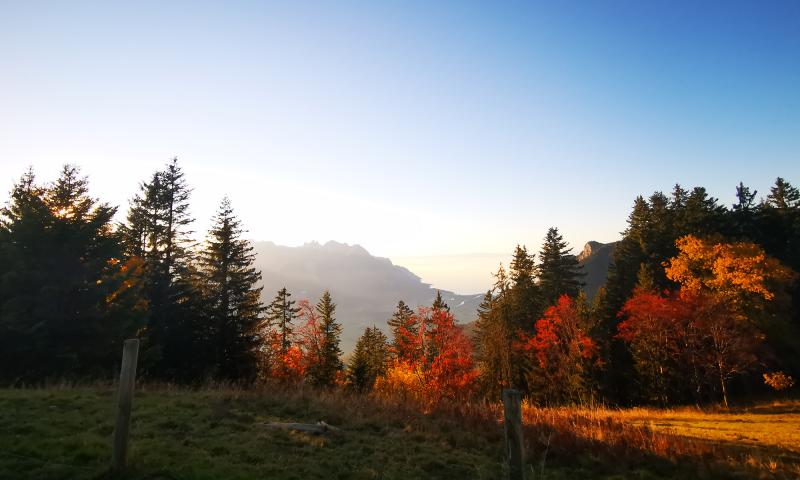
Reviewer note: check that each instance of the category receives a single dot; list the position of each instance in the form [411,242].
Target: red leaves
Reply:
[559,336]
[560,354]
[689,334]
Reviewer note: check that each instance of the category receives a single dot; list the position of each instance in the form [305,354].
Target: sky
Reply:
[438,134]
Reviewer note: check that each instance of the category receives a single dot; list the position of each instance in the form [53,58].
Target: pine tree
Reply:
[783,195]
[559,271]
[158,231]
[492,347]
[281,314]
[369,359]
[404,332]
[745,199]
[523,301]
[438,302]
[779,228]
[66,298]
[745,213]
[231,297]
[328,366]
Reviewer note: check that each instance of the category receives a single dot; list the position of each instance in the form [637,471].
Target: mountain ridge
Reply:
[367,288]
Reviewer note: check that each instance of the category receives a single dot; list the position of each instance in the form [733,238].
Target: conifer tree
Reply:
[232,299]
[523,302]
[745,213]
[404,332]
[438,302]
[328,365]
[369,359]
[66,297]
[779,228]
[559,271]
[492,347]
[783,195]
[158,231]
[281,314]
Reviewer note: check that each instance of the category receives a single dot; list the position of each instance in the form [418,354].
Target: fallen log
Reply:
[318,428]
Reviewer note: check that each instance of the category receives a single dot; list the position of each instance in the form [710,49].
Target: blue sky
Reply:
[416,129]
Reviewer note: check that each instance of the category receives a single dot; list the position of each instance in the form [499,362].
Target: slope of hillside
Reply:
[365,288]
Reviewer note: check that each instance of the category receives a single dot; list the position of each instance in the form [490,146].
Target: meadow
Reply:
[65,432]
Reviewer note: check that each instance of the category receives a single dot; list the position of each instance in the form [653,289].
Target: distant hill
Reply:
[595,259]
[365,288]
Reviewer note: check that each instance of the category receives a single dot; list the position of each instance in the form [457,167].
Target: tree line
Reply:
[701,303]
[701,300]
[73,285]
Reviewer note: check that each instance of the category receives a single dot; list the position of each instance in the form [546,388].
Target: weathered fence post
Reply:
[512,406]
[127,378]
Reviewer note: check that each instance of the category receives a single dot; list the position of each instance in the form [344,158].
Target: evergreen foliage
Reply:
[369,360]
[493,348]
[404,331]
[158,231]
[324,373]
[438,302]
[558,270]
[280,315]
[67,297]
[231,298]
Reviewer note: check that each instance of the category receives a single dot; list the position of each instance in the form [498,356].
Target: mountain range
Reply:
[367,288]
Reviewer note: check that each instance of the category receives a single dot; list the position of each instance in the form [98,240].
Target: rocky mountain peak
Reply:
[590,248]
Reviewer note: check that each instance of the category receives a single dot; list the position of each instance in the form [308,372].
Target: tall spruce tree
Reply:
[492,348]
[323,373]
[779,228]
[66,297]
[231,297]
[524,302]
[280,315]
[158,231]
[369,360]
[558,270]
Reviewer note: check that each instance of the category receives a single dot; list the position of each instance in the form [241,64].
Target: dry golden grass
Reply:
[762,441]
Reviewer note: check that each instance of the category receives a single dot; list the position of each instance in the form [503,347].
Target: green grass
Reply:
[59,433]
[66,433]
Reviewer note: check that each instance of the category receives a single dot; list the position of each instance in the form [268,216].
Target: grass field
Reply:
[58,433]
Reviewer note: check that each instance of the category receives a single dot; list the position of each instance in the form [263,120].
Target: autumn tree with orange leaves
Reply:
[438,364]
[708,331]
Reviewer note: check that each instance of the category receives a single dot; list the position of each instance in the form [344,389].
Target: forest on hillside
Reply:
[701,305]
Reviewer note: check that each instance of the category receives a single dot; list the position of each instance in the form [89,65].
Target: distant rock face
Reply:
[595,259]
[365,288]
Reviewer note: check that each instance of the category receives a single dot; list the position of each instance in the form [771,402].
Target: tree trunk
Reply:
[724,388]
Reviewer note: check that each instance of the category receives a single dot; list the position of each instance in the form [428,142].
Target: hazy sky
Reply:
[415,129]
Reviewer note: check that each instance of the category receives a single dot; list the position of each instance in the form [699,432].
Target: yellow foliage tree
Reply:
[740,272]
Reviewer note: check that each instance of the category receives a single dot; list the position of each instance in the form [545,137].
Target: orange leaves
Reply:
[290,365]
[403,381]
[729,269]
[436,363]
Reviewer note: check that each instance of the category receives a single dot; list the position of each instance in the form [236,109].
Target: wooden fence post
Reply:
[512,407]
[127,379]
